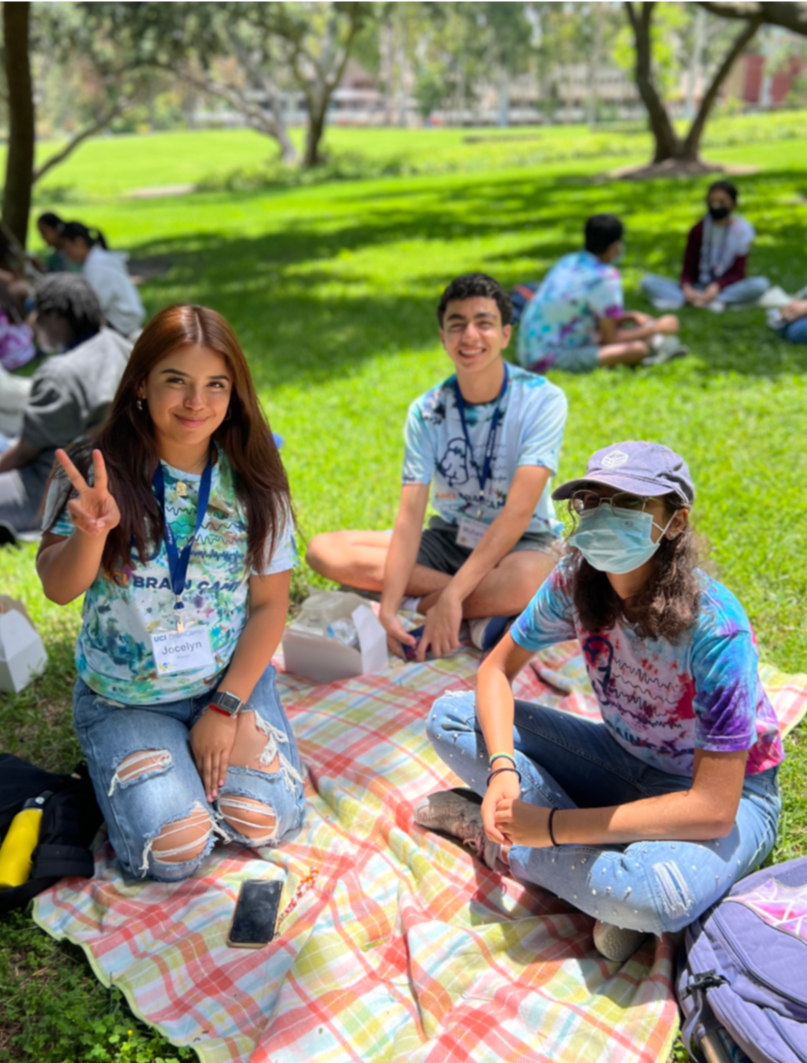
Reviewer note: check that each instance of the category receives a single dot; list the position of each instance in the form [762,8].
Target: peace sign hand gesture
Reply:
[95,512]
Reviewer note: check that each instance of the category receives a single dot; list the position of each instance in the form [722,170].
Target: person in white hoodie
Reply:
[106,272]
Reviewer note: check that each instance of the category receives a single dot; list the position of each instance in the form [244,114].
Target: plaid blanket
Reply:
[406,948]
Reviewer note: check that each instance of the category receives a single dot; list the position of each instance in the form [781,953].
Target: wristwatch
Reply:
[228,703]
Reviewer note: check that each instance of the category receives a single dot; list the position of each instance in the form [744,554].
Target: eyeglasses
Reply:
[588,501]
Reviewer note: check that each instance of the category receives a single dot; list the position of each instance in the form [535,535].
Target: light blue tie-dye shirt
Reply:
[114,652]
[530,432]
[577,293]
[661,700]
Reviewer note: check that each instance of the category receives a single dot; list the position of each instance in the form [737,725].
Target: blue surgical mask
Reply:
[616,540]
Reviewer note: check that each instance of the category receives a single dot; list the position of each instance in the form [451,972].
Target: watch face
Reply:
[229,702]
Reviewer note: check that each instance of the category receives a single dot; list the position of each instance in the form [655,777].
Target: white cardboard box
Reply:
[309,652]
[22,655]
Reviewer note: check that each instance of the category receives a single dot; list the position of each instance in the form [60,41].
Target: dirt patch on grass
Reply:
[674,168]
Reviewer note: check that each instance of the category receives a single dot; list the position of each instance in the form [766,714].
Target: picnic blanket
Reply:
[406,949]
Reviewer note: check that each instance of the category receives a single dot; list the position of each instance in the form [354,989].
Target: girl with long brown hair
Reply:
[644,819]
[175,523]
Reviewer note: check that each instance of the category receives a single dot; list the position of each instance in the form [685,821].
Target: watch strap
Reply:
[228,703]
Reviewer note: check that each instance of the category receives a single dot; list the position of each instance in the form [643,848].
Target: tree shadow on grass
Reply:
[313,299]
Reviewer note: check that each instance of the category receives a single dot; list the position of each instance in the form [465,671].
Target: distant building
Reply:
[358,101]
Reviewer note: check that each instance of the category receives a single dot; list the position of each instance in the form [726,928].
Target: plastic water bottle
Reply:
[19,843]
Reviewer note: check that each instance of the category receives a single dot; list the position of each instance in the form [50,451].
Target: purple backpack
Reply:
[743,982]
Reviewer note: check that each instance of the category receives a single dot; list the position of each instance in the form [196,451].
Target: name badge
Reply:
[182,651]
[470,532]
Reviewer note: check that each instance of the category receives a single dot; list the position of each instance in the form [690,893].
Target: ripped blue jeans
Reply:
[654,886]
[148,786]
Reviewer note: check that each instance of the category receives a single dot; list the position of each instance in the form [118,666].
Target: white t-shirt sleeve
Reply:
[420,460]
[284,556]
[546,421]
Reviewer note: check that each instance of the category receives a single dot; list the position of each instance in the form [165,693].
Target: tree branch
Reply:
[734,9]
[695,132]
[101,123]
[791,16]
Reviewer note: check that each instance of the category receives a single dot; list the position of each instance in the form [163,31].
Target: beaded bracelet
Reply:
[498,771]
[495,756]
[304,886]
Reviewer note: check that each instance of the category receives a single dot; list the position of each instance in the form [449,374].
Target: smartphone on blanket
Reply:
[255,913]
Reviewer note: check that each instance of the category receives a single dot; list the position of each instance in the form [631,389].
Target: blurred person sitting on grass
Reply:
[70,393]
[577,321]
[174,522]
[715,260]
[645,818]
[791,320]
[51,227]
[107,274]
[487,442]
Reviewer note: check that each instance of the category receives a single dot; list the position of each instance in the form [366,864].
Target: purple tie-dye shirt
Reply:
[662,701]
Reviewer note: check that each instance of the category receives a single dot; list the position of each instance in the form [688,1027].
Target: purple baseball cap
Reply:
[643,469]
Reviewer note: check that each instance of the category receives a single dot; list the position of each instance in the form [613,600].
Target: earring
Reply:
[139,404]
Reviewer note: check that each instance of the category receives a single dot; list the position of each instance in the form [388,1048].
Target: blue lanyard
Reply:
[490,446]
[178,562]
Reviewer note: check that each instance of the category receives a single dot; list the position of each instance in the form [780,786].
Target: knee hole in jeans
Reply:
[183,839]
[140,765]
[249,817]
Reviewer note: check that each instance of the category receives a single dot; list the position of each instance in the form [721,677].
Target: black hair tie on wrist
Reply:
[498,771]
[549,827]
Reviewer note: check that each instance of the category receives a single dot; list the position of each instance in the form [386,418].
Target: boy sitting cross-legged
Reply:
[487,441]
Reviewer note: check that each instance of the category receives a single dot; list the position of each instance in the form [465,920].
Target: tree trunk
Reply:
[667,142]
[503,119]
[595,58]
[21,129]
[313,136]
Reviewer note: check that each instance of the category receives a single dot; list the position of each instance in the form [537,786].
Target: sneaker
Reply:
[487,630]
[458,813]
[615,943]
[717,306]
[775,319]
[665,348]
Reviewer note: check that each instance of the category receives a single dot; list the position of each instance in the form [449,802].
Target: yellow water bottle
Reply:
[19,843]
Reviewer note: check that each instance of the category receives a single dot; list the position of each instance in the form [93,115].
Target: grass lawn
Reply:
[332,290]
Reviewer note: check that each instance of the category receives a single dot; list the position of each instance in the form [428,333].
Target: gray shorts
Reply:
[569,359]
[439,549]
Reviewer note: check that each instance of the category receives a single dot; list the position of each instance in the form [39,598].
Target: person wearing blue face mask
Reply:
[645,819]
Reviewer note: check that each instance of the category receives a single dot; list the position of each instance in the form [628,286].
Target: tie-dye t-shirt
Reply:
[114,651]
[577,293]
[662,701]
[529,432]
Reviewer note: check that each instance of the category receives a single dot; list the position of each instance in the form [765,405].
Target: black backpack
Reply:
[70,820]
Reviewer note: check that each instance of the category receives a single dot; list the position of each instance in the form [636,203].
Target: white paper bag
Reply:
[22,654]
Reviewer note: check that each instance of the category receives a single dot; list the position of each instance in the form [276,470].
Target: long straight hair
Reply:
[126,440]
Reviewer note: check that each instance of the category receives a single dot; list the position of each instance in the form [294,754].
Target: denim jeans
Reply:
[137,810]
[654,886]
[796,331]
[671,293]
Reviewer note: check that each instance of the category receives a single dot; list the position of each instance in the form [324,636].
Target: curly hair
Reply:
[475,285]
[667,605]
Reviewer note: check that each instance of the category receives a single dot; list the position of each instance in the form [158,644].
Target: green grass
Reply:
[332,290]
